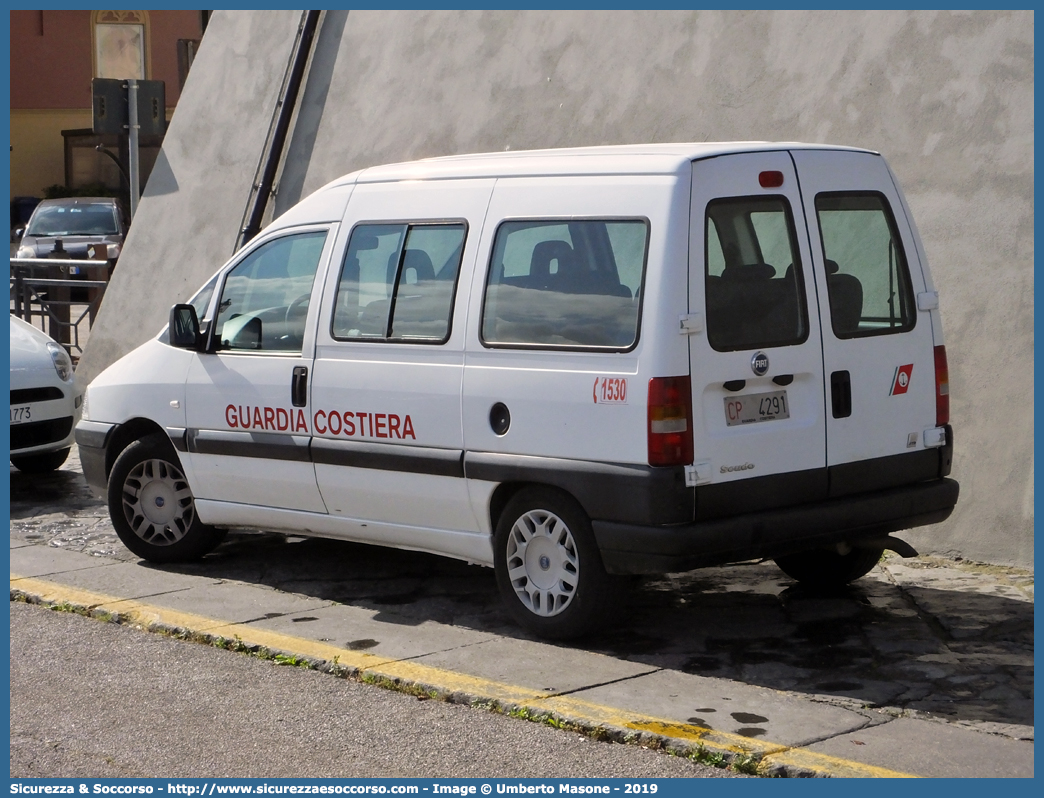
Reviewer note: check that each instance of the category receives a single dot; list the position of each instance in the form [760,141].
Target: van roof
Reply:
[616,159]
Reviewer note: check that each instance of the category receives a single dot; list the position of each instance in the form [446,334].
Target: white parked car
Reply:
[45,404]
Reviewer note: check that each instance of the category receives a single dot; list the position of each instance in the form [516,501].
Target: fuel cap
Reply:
[499,418]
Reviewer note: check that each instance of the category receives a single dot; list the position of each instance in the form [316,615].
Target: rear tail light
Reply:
[670,421]
[942,387]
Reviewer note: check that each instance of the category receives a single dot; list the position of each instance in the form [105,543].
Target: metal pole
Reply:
[132,119]
[286,106]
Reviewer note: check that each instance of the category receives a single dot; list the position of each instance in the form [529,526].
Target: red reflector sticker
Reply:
[901,379]
[770,179]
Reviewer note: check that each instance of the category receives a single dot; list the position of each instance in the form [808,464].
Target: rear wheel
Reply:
[826,568]
[548,567]
[152,507]
[41,463]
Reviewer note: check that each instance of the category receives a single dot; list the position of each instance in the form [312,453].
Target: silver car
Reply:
[73,227]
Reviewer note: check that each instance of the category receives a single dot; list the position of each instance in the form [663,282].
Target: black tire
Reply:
[152,507]
[824,568]
[41,463]
[545,533]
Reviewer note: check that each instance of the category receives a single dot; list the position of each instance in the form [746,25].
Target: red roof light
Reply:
[770,179]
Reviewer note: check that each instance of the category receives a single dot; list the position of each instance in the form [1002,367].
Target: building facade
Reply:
[54,57]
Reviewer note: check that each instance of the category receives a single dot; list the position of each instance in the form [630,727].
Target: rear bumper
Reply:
[642,549]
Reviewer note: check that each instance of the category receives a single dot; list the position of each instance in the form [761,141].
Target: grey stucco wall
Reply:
[947,97]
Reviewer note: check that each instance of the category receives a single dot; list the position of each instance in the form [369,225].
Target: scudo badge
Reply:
[759,364]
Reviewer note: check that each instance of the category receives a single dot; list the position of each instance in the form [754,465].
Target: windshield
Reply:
[74,220]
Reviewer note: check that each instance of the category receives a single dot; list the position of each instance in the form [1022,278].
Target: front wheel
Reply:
[152,507]
[826,568]
[548,567]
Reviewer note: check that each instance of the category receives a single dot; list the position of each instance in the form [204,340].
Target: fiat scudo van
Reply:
[569,365]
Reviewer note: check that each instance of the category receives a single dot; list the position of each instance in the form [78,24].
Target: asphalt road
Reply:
[92,699]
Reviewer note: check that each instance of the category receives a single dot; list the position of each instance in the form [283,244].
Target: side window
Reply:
[574,284]
[264,301]
[868,280]
[755,291]
[398,282]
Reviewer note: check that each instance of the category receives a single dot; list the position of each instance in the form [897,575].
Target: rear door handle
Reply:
[299,386]
[841,394]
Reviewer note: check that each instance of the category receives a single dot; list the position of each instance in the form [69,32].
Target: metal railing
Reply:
[43,288]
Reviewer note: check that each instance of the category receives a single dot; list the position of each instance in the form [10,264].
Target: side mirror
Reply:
[183,329]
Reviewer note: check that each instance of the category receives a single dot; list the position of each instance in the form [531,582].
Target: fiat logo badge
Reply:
[759,364]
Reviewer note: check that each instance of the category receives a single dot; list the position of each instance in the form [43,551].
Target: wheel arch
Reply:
[125,434]
[506,491]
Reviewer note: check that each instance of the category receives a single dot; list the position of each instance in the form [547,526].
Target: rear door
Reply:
[877,346]
[757,363]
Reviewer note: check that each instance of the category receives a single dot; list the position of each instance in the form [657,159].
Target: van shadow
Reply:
[957,654]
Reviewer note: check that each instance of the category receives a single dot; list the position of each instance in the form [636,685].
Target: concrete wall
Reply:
[946,97]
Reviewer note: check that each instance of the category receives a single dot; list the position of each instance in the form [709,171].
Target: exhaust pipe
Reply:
[900,547]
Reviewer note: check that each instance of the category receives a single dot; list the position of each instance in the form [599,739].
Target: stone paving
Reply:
[924,638]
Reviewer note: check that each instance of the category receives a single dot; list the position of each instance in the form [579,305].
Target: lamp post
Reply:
[101,148]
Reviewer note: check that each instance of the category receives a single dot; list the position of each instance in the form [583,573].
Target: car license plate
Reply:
[755,407]
[20,414]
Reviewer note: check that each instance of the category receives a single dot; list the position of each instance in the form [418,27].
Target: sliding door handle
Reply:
[299,386]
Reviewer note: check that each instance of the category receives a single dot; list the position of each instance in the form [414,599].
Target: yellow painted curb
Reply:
[773,757]
[799,760]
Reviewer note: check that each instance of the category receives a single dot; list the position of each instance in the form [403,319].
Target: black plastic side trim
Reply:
[390,457]
[93,434]
[266,445]
[92,438]
[648,549]
[621,491]
[179,437]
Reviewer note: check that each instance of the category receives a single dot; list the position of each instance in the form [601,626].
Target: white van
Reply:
[568,365]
